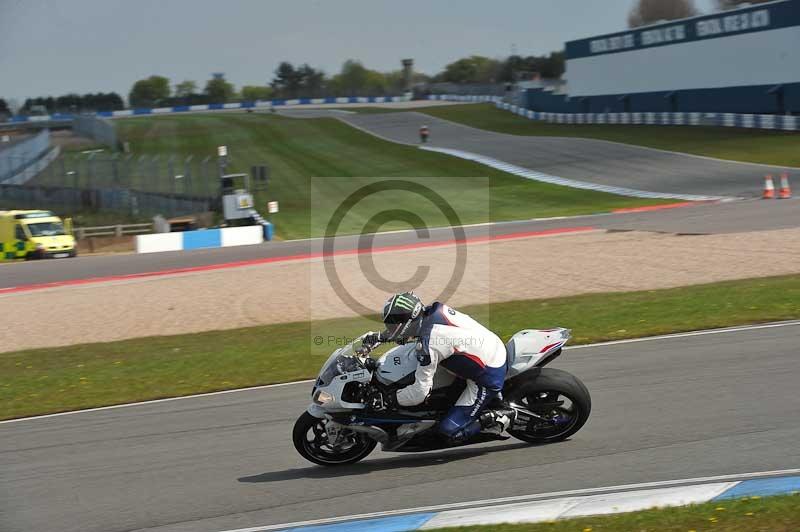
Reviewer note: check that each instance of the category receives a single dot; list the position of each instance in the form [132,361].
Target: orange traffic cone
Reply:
[784,192]
[769,188]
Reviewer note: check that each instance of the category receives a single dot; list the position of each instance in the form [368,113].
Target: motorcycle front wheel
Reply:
[560,401]
[311,441]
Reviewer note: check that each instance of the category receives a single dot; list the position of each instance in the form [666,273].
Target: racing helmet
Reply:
[402,315]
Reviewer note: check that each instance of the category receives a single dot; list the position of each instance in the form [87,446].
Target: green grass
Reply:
[82,376]
[750,514]
[299,151]
[738,144]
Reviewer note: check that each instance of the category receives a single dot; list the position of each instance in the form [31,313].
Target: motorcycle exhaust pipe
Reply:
[376,433]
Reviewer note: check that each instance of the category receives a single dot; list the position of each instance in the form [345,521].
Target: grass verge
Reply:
[83,376]
[738,144]
[750,514]
[300,150]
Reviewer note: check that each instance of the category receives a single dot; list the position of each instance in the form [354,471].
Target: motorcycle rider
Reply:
[460,344]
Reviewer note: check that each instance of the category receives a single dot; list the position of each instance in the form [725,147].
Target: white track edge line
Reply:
[535,175]
[267,386]
[687,334]
[156,401]
[524,498]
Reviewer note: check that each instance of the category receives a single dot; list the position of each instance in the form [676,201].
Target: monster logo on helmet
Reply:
[402,315]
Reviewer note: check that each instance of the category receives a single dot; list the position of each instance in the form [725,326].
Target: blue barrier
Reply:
[201,239]
[209,238]
[216,107]
[749,121]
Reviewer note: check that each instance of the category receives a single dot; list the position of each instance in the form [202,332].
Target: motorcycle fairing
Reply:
[534,347]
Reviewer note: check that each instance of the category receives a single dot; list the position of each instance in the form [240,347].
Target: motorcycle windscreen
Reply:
[337,365]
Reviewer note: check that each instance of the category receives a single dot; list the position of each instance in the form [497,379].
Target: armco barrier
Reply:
[749,121]
[216,107]
[201,239]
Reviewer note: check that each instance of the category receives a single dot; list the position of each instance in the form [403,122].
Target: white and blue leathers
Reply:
[469,350]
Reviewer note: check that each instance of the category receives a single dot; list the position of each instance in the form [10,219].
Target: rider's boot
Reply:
[497,420]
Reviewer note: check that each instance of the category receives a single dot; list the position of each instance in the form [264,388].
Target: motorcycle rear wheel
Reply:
[556,395]
[311,441]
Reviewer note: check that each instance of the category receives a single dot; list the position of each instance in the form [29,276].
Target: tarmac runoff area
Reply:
[529,267]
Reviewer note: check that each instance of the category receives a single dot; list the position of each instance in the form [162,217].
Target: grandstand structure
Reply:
[745,60]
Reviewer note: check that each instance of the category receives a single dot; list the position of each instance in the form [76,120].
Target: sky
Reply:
[52,47]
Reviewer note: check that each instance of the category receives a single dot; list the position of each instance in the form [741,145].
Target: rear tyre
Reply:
[311,441]
[555,395]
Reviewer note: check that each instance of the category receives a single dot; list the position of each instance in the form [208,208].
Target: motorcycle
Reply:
[340,427]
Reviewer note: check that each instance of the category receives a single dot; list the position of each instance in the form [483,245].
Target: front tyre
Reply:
[311,441]
[560,400]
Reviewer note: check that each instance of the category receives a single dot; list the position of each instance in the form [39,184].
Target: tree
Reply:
[352,78]
[185,88]
[548,66]
[4,110]
[733,4]
[149,92]
[472,69]
[286,82]
[312,81]
[651,11]
[252,93]
[67,103]
[295,82]
[218,90]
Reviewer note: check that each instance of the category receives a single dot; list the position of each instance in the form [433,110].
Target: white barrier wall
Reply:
[159,242]
[242,236]
[201,239]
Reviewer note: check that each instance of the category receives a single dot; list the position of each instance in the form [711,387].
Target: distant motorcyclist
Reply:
[424,133]
[460,344]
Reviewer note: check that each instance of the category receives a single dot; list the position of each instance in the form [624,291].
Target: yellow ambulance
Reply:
[34,235]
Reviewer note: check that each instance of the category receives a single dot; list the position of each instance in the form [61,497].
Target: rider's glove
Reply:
[372,339]
[379,400]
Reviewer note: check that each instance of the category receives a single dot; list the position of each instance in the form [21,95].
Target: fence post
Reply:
[154,172]
[141,172]
[115,170]
[171,172]
[118,231]
[90,170]
[206,179]
[126,171]
[187,175]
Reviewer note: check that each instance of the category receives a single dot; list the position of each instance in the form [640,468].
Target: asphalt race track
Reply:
[663,409]
[595,161]
[752,215]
